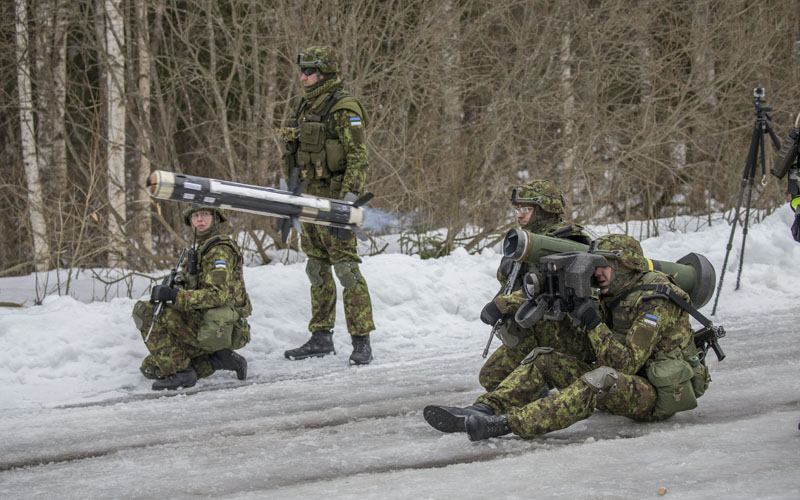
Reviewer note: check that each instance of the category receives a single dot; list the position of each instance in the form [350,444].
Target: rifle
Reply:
[168,281]
[506,290]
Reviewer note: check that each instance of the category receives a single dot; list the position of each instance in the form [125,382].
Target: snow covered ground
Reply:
[77,420]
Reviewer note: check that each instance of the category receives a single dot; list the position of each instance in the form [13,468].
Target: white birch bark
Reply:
[41,248]
[115,148]
[568,94]
[142,207]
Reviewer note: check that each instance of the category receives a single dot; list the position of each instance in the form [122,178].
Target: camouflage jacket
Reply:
[640,326]
[219,278]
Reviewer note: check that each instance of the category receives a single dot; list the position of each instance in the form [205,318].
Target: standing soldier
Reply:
[539,208]
[326,147]
[646,368]
[206,318]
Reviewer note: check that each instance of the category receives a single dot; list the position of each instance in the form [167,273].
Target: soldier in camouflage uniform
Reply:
[326,144]
[205,315]
[640,339]
[540,209]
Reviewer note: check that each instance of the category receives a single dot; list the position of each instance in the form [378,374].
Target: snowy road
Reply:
[345,433]
[77,420]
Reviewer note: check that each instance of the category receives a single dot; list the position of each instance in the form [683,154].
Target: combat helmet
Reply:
[321,57]
[620,248]
[540,193]
[219,214]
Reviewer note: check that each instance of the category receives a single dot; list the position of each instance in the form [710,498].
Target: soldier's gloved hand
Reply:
[491,313]
[163,293]
[796,227]
[585,314]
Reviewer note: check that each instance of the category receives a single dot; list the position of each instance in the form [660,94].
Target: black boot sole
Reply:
[443,420]
[305,356]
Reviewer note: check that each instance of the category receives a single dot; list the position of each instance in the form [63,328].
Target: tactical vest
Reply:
[621,308]
[320,153]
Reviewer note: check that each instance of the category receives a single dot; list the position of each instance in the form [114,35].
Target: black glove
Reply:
[163,293]
[796,227]
[585,314]
[491,313]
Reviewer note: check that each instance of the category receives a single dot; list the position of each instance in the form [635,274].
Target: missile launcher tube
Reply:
[692,272]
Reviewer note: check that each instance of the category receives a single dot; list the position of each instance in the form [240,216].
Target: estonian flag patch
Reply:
[650,319]
[355,121]
[219,264]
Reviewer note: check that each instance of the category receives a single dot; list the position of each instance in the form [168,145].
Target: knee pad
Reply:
[348,273]
[314,272]
[142,314]
[602,381]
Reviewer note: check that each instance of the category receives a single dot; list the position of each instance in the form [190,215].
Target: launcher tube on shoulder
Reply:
[692,272]
[256,199]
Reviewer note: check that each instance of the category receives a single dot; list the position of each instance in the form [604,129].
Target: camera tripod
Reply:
[757,144]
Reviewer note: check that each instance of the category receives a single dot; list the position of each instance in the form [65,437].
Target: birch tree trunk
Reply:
[142,204]
[41,248]
[115,148]
[568,94]
[51,69]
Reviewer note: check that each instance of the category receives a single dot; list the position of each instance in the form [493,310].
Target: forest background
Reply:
[637,110]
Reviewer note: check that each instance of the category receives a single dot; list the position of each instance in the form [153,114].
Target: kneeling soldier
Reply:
[646,366]
[206,318]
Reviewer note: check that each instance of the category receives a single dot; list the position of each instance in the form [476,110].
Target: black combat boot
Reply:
[362,351]
[453,418]
[484,427]
[183,378]
[318,345]
[226,359]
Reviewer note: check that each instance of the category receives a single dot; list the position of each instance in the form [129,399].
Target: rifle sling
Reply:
[668,293]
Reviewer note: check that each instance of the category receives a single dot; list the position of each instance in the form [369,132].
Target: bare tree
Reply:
[41,248]
[115,146]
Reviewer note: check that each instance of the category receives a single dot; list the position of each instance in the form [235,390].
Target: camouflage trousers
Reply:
[557,334]
[530,417]
[173,342]
[325,251]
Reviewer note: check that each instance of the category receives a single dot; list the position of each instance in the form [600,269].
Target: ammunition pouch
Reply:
[672,376]
[216,327]
[311,150]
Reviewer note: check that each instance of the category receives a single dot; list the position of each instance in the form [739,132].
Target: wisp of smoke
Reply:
[378,221]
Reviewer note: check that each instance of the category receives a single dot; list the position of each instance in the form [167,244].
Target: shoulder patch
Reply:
[355,121]
[219,264]
[651,319]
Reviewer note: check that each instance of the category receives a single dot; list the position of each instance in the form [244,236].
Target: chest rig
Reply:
[320,154]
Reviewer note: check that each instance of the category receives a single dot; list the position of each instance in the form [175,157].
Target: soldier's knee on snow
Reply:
[602,381]
[314,272]
[348,273]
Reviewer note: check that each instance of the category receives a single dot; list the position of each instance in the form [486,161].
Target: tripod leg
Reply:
[748,167]
[751,181]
